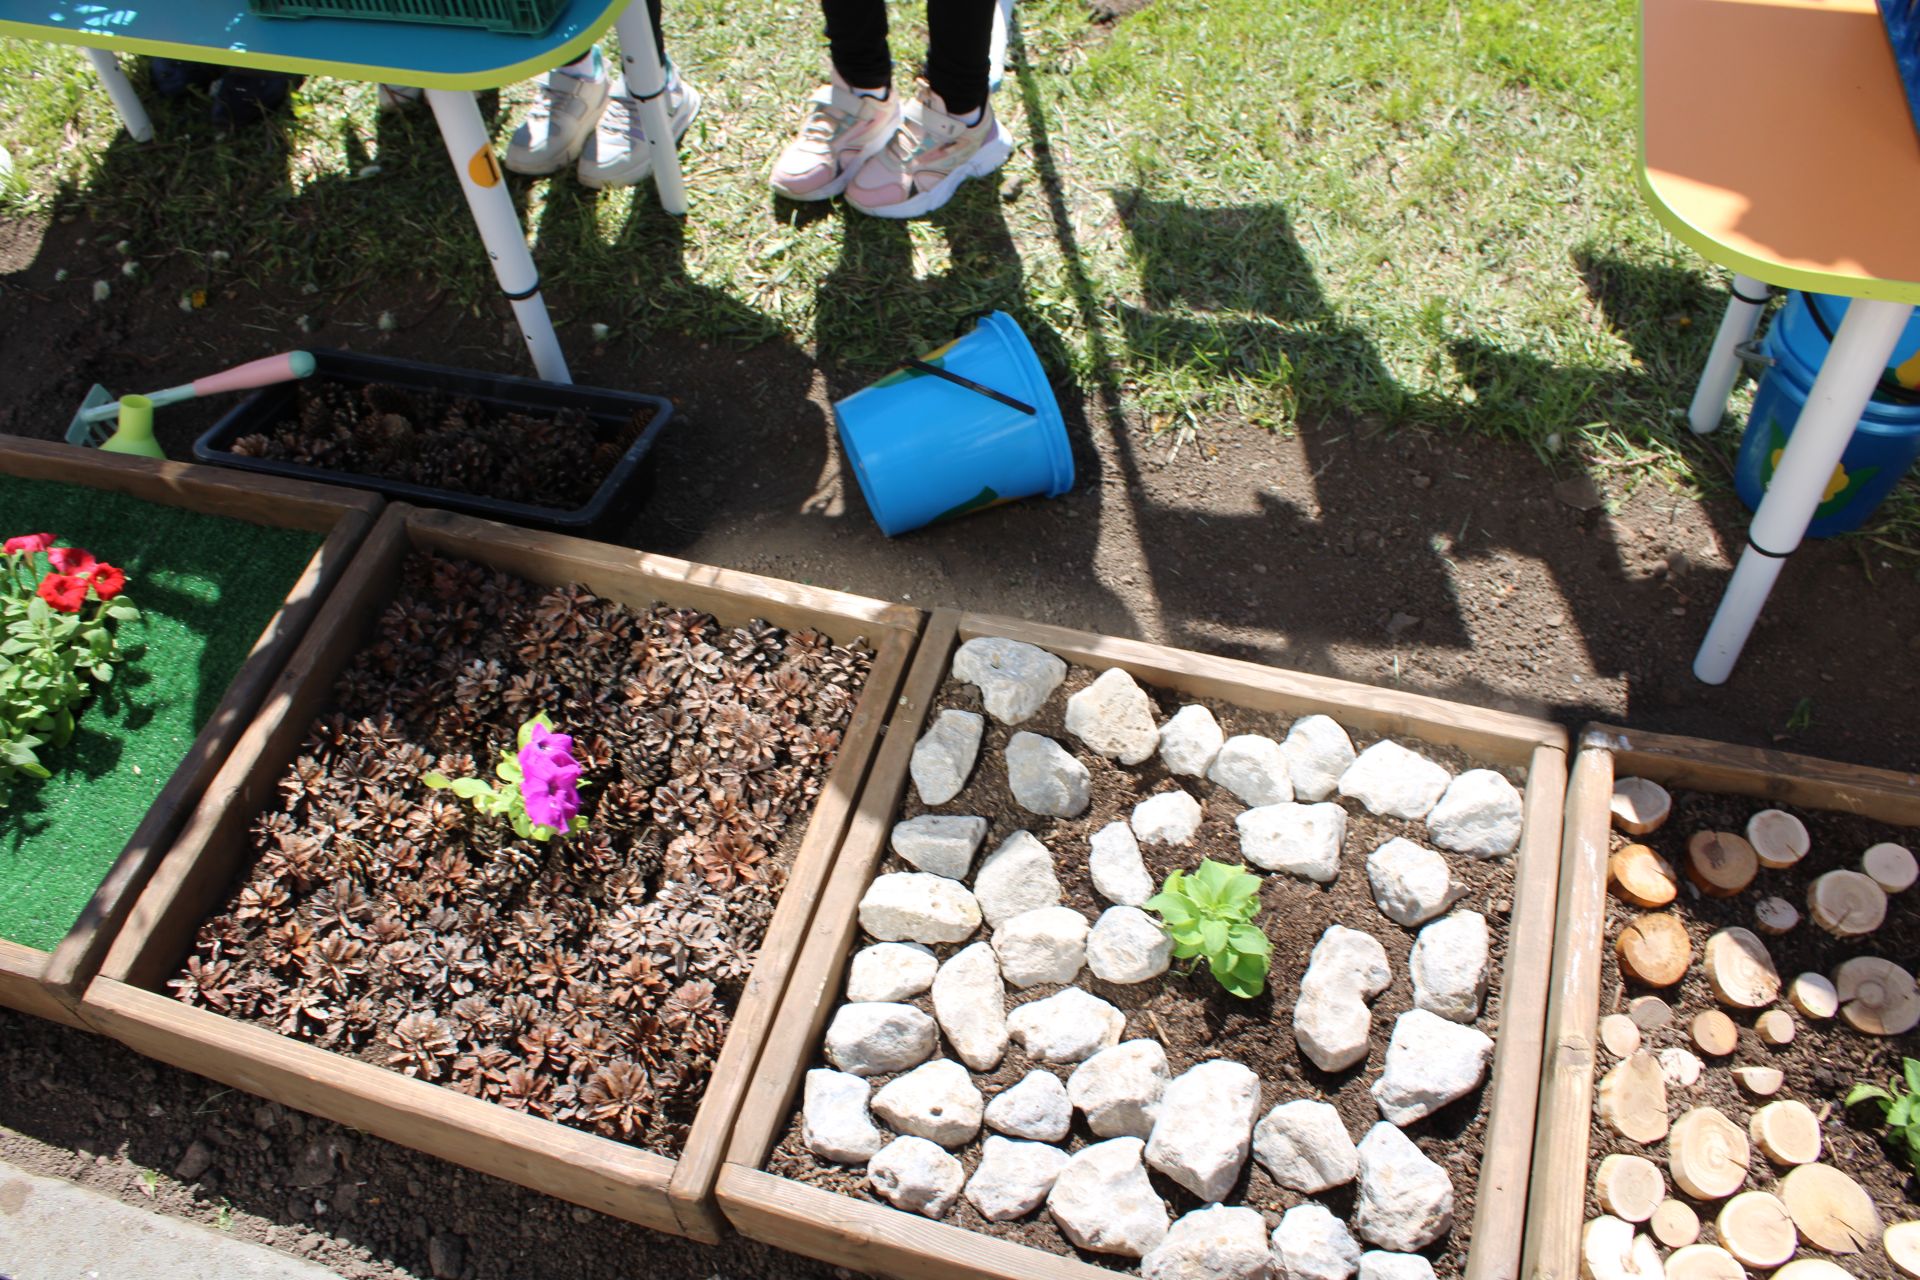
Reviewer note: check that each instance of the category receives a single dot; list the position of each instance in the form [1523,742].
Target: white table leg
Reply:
[125,100]
[997,46]
[493,213]
[1840,393]
[1748,300]
[647,86]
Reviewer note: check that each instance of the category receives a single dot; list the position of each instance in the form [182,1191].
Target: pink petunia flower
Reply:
[70,559]
[27,544]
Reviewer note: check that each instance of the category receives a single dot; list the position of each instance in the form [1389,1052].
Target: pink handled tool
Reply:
[264,372]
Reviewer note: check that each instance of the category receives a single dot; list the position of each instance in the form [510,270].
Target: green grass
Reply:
[1225,213]
[206,587]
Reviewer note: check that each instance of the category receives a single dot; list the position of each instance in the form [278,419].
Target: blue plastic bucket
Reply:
[964,428]
[1884,444]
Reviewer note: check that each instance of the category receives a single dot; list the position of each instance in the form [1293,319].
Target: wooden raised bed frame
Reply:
[872,1237]
[1557,1209]
[613,1177]
[50,984]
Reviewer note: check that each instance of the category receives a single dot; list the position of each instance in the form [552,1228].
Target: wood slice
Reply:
[1778,838]
[1902,1242]
[1761,1082]
[1639,805]
[1756,1228]
[1629,1187]
[1642,877]
[1891,866]
[1675,1224]
[1714,1032]
[1633,1099]
[1814,996]
[1775,1028]
[1740,970]
[1787,1131]
[1619,1034]
[1847,904]
[1812,1269]
[1654,950]
[1707,1154]
[1775,916]
[1680,1067]
[1721,863]
[1649,1012]
[1610,1250]
[1703,1262]
[1832,1211]
[1877,996]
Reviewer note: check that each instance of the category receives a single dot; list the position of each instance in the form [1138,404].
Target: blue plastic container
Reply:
[1884,444]
[966,427]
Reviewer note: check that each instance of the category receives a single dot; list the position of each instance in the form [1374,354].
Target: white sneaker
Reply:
[841,131]
[618,155]
[928,158]
[566,107]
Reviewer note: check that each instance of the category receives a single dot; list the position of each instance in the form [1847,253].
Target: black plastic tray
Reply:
[269,406]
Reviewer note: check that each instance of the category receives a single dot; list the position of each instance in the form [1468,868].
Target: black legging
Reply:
[959,33]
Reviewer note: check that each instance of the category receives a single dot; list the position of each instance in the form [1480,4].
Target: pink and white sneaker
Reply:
[842,131]
[931,154]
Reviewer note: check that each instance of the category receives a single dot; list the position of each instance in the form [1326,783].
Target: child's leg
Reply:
[857,40]
[959,37]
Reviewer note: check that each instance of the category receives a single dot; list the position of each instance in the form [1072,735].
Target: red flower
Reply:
[63,591]
[70,559]
[107,580]
[28,543]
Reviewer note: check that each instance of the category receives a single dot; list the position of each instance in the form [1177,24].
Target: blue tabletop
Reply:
[423,54]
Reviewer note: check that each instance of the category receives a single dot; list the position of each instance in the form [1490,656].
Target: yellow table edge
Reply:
[548,57]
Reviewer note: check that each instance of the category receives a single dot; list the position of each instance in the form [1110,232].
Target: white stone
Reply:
[889,971]
[1479,815]
[1204,1125]
[1119,873]
[1118,1088]
[1190,741]
[1318,752]
[971,1003]
[1449,966]
[936,1101]
[916,1175]
[941,843]
[1172,817]
[1069,1026]
[1304,1145]
[1393,781]
[1016,878]
[1300,839]
[1128,945]
[1045,945]
[1406,1200]
[1311,1244]
[1045,778]
[879,1038]
[1114,718]
[1036,1108]
[1430,1062]
[1104,1203]
[834,1121]
[945,755]
[1411,884]
[1015,679]
[1331,1020]
[913,906]
[1378,1264]
[1255,769]
[1212,1243]
[1013,1178]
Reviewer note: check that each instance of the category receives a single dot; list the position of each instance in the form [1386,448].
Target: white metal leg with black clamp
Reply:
[646,79]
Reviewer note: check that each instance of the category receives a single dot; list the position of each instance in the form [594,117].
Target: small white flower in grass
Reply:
[124,248]
[387,323]
[600,332]
[129,269]
[186,303]
[102,291]
[304,324]
[60,276]
[218,256]
[309,288]
[368,171]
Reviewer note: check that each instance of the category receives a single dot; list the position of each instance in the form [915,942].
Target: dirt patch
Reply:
[1192,1017]
[1825,1058]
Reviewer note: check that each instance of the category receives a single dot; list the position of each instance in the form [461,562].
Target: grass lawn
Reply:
[1224,214]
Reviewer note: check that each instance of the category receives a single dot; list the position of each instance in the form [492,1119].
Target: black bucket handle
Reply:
[960,380]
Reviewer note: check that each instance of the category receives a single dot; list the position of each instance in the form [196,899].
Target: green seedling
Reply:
[1210,913]
[1899,1106]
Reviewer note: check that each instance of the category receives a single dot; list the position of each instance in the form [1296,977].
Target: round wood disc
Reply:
[1877,996]
[1787,1131]
[1847,904]
[1812,1269]
[1642,877]
[1632,1099]
[1778,838]
[1674,1224]
[1755,1228]
[1891,866]
[1654,950]
[1775,1028]
[1714,1032]
[1902,1242]
[1832,1211]
[1639,805]
[1775,916]
[1707,1154]
[1619,1034]
[1703,1262]
[1649,1012]
[1721,863]
[1761,1082]
[1629,1187]
[1814,996]
[1740,969]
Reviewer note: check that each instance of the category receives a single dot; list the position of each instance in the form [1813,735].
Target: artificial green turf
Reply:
[206,586]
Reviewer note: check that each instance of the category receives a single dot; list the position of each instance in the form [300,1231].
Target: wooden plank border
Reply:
[50,983]
[870,1237]
[667,1194]
[1557,1203]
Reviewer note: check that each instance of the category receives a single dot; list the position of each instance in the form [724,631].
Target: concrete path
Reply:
[54,1230]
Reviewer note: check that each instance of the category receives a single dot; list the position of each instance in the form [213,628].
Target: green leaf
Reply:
[436,781]
[1242,887]
[1869,1093]
[1213,935]
[1910,1068]
[1173,909]
[102,672]
[1186,945]
[1248,940]
[470,788]
[1901,1111]
[508,770]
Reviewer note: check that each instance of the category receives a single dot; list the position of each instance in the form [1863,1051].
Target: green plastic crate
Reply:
[520,17]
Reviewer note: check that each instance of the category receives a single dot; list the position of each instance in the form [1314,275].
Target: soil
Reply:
[447,442]
[1825,1058]
[1192,1017]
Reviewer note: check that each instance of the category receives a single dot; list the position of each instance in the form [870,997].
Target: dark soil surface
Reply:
[1825,1058]
[1192,1017]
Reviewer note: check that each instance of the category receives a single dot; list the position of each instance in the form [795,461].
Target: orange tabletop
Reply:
[1776,140]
